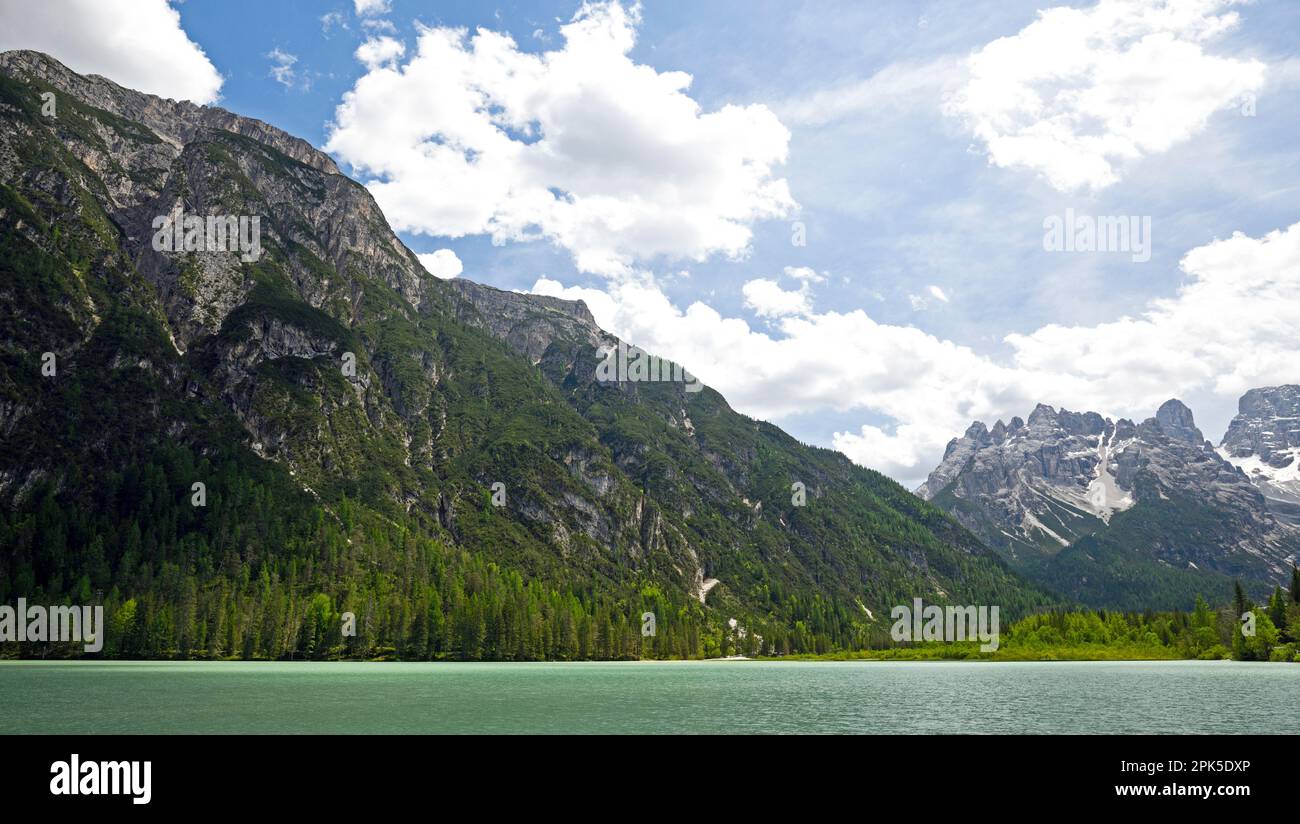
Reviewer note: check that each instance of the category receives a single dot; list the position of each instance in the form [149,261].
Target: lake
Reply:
[650,697]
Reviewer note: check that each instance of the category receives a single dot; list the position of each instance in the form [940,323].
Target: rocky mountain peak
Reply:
[1176,421]
[176,122]
[1037,489]
[1279,401]
[530,323]
[1263,441]
[1267,424]
[1042,415]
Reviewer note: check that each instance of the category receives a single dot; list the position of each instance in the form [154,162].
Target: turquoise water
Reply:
[650,697]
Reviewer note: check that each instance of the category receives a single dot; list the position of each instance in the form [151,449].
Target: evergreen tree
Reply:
[1277,608]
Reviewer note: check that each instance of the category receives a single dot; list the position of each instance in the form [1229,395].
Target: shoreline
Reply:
[729,659]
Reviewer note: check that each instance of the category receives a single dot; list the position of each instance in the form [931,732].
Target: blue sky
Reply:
[887,130]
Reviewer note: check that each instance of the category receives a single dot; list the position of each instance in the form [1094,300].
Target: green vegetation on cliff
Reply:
[349,416]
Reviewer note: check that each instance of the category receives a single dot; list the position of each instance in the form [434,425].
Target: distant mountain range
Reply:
[1144,515]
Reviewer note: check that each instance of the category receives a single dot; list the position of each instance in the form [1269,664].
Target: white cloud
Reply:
[805,273]
[1230,328]
[768,299]
[282,67]
[607,158]
[443,263]
[921,302]
[135,43]
[898,86]
[379,52]
[373,25]
[366,8]
[331,19]
[1079,94]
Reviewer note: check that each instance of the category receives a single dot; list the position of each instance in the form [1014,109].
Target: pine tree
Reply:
[1239,601]
[1277,608]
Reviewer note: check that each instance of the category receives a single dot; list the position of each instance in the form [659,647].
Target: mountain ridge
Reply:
[1263,441]
[376,414]
[1155,500]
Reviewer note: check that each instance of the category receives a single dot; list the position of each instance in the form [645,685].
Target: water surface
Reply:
[650,697]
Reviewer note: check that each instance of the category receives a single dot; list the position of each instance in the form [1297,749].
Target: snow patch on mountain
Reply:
[1282,482]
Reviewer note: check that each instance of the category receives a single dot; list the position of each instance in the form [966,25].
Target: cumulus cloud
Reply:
[805,273]
[1079,94]
[379,52]
[135,43]
[1229,328]
[768,299]
[366,8]
[610,159]
[443,263]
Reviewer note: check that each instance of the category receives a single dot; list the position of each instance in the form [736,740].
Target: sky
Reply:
[868,223]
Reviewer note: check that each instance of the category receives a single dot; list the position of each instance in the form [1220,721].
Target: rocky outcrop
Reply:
[529,323]
[1175,421]
[1263,441]
[161,157]
[176,122]
[1036,488]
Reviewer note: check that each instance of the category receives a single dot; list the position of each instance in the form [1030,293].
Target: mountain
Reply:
[234,446]
[1112,513]
[1263,441]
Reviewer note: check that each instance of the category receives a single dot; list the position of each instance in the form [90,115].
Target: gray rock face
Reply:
[1040,483]
[176,122]
[1263,441]
[1175,420]
[1035,489]
[162,156]
[529,323]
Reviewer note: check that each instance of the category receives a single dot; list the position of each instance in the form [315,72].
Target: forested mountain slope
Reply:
[348,415]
